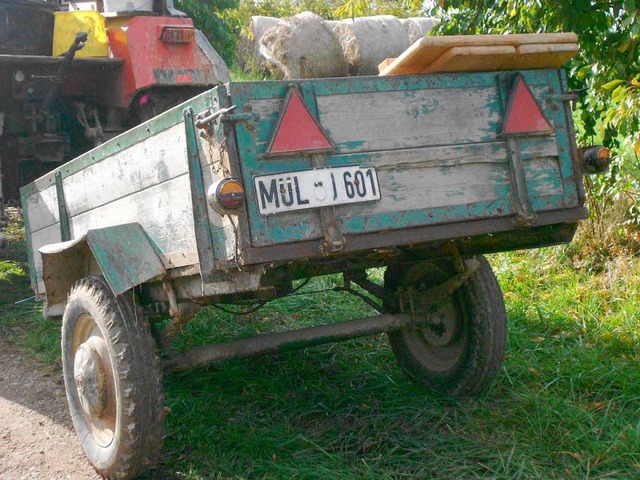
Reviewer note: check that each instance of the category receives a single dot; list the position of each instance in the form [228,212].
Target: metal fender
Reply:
[123,254]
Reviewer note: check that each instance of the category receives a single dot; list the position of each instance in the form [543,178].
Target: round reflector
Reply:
[226,194]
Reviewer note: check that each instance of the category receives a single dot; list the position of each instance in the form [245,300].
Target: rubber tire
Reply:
[483,333]
[137,380]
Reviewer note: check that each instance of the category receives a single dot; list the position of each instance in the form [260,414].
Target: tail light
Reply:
[226,196]
[595,159]
[171,34]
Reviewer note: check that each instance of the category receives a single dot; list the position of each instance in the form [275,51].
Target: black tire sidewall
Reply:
[480,303]
[100,457]
[137,380]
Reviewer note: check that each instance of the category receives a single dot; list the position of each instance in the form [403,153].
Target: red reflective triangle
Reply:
[297,131]
[524,115]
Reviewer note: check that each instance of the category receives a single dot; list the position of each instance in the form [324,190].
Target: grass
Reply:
[565,405]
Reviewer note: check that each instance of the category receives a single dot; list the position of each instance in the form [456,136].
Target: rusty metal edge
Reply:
[416,236]
[201,222]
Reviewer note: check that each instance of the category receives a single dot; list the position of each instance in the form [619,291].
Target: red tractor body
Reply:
[56,107]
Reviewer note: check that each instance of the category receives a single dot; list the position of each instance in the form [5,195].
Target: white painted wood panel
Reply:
[436,187]
[42,209]
[155,160]
[42,237]
[492,152]
[164,211]
[403,120]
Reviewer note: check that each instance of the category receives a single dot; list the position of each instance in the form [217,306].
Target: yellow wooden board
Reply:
[427,50]
[466,59]
[542,56]
[385,63]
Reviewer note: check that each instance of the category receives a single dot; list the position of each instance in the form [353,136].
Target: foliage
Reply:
[210,16]
[605,74]
[14,277]
[361,8]
[239,17]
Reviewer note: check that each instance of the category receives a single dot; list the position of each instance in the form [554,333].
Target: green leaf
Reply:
[612,84]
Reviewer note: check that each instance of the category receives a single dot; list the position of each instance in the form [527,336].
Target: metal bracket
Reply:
[63,213]
[180,314]
[204,237]
[241,117]
[525,214]
[432,297]
[333,240]
[206,118]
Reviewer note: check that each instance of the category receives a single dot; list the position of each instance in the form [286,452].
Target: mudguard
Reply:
[123,254]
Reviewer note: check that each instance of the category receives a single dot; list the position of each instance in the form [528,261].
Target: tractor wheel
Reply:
[459,351]
[113,380]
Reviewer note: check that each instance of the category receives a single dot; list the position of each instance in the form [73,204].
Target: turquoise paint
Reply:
[458,213]
[218,236]
[333,86]
[126,256]
[281,228]
[201,222]
[354,223]
[351,146]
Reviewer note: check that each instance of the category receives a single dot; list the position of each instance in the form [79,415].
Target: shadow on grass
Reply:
[562,407]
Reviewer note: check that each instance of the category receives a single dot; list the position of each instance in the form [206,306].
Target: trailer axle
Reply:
[280,342]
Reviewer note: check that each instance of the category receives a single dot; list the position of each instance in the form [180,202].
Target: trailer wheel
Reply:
[113,380]
[460,350]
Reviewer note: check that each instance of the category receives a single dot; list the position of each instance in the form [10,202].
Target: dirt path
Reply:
[37,440]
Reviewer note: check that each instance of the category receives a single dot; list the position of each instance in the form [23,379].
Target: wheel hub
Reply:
[90,376]
[443,326]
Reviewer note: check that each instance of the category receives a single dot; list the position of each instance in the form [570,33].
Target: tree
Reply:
[606,75]
[211,16]
[361,8]
[606,72]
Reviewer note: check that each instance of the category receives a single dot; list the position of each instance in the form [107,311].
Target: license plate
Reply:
[325,187]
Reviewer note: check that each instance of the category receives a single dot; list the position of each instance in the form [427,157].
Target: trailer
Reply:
[245,189]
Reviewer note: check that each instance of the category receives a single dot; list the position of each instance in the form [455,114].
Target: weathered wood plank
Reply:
[543,177]
[541,56]
[450,155]
[426,50]
[398,119]
[388,121]
[40,238]
[153,161]
[42,209]
[164,211]
[402,120]
[437,187]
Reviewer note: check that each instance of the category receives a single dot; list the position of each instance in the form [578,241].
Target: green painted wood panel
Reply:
[434,140]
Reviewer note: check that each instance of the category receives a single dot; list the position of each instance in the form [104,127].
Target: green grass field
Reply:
[565,405]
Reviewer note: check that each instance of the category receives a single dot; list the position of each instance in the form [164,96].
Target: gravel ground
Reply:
[37,440]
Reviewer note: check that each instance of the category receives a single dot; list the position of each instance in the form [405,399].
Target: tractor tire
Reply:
[459,352]
[113,380]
